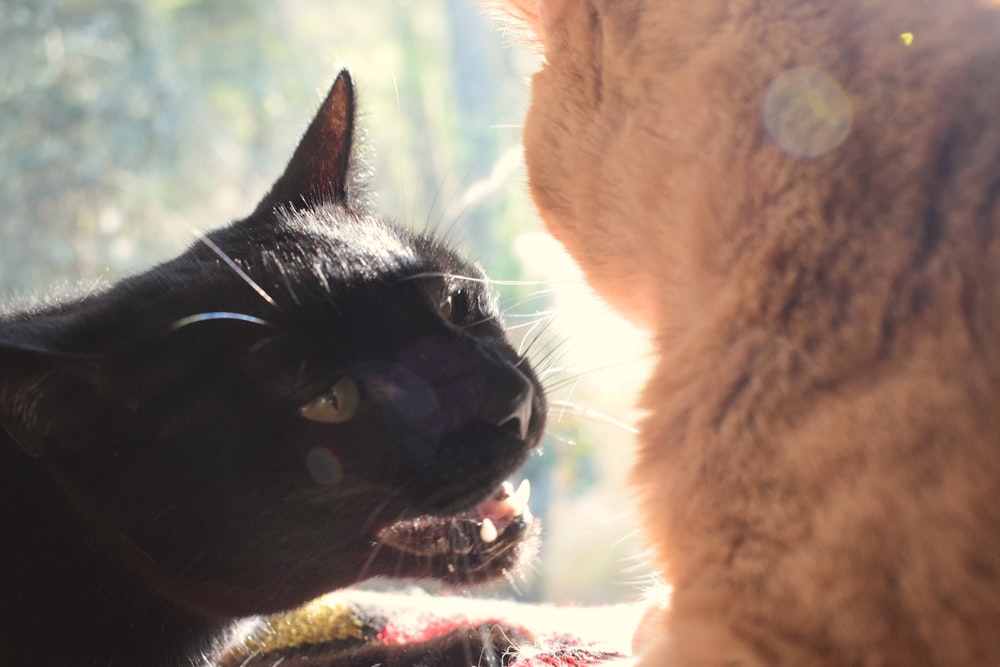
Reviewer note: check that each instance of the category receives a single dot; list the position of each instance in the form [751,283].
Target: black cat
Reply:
[304,399]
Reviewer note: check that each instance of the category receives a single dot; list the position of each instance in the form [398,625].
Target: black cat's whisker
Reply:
[557,378]
[526,325]
[537,295]
[624,515]
[283,274]
[94,285]
[218,315]
[367,529]
[548,361]
[534,335]
[399,111]
[370,521]
[320,274]
[570,391]
[530,296]
[568,382]
[453,220]
[561,407]
[434,224]
[366,566]
[591,371]
[468,198]
[643,555]
[513,574]
[427,275]
[636,564]
[553,373]
[537,315]
[437,195]
[543,362]
[240,272]
[561,438]
[498,177]
[519,283]
[540,295]
[532,322]
[472,279]
[530,337]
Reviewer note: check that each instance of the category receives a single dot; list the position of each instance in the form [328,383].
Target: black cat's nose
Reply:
[509,404]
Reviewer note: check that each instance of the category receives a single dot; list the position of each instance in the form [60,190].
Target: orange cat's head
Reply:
[600,155]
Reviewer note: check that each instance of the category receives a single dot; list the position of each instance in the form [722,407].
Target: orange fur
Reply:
[801,201]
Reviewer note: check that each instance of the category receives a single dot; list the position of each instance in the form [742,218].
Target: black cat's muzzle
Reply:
[431,437]
[459,521]
[488,541]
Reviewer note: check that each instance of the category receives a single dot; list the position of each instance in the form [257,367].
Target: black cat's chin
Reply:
[490,541]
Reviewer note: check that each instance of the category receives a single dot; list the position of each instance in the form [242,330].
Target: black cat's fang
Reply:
[481,543]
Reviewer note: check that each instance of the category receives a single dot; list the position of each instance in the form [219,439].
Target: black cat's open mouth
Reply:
[483,538]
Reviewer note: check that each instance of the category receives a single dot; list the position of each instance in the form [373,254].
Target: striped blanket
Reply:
[362,628]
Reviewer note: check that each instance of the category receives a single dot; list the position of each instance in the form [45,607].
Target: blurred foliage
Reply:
[128,126]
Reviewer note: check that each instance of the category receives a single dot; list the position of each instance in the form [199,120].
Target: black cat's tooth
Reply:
[488,531]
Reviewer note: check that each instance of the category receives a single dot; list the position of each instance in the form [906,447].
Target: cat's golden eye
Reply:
[338,405]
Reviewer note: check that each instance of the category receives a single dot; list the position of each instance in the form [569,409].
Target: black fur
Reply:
[158,479]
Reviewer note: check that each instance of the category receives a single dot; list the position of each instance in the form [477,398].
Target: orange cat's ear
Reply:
[540,17]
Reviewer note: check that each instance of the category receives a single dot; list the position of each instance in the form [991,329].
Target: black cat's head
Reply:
[304,399]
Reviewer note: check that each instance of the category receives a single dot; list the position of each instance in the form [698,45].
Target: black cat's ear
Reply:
[320,168]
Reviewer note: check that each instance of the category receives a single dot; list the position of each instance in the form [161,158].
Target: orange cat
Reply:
[800,199]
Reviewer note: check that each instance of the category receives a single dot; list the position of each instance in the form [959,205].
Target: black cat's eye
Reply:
[447,307]
[337,405]
[456,307]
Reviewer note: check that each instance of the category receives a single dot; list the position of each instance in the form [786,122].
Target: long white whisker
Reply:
[399,114]
[524,344]
[578,374]
[437,194]
[599,417]
[367,527]
[535,335]
[536,320]
[537,315]
[558,437]
[240,272]
[472,279]
[528,298]
[283,274]
[510,160]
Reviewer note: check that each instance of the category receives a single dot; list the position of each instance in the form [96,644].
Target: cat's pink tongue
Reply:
[499,510]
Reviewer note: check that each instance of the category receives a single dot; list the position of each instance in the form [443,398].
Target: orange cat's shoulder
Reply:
[801,201]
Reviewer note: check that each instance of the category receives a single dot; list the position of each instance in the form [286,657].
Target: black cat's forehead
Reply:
[331,244]
[348,245]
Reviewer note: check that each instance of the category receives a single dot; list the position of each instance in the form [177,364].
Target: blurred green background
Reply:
[128,126]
